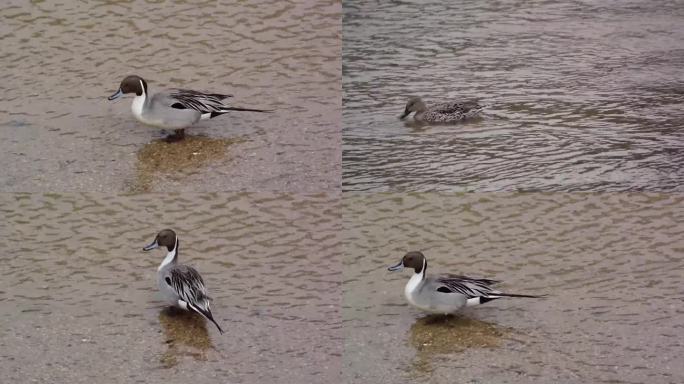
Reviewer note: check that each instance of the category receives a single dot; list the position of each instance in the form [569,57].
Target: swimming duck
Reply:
[451,112]
[448,293]
[180,285]
[175,109]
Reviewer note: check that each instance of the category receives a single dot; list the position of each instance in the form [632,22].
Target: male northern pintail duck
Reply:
[175,109]
[180,285]
[448,293]
[451,112]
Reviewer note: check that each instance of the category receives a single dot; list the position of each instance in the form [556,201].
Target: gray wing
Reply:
[198,101]
[164,99]
[466,286]
[188,284]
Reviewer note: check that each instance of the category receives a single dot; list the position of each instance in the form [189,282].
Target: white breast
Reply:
[137,109]
[137,106]
[412,288]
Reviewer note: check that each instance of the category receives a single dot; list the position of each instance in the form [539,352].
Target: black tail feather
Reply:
[210,317]
[516,295]
[245,109]
[214,114]
[228,109]
[207,315]
[484,299]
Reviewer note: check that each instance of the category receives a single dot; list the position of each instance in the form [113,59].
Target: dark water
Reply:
[610,264]
[582,95]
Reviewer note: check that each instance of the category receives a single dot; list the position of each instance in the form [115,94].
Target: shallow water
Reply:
[610,265]
[58,132]
[582,95]
[79,300]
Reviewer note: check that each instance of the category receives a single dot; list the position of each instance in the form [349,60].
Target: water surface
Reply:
[79,301]
[610,265]
[582,95]
[60,61]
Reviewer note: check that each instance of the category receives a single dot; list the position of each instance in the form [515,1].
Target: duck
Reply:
[444,113]
[180,285]
[446,294]
[174,109]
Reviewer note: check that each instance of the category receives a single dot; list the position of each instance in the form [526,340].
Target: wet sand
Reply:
[80,304]
[58,131]
[610,265]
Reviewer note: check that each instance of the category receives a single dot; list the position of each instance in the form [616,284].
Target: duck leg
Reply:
[178,134]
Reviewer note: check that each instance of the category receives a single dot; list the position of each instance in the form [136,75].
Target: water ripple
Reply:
[577,99]
[610,263]
[57,58]
[73,269]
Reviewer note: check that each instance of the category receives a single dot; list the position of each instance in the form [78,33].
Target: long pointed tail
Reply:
[226,109]
[215,323]
[493,296]
[207,315]
[500,294]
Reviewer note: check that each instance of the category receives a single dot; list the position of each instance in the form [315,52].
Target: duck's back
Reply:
[451,112]
[182,282]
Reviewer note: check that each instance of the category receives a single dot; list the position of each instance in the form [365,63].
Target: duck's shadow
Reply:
[437,336]
[161,161]
[185,334]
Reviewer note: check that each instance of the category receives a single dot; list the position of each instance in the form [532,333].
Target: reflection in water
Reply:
[436,335]
[72,138]
[604,260]
[81,297]
[416,126]
[161,160]
[185,334]
[420,126]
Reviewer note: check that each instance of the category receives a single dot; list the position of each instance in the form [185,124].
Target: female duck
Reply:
[445,113]
[180,285]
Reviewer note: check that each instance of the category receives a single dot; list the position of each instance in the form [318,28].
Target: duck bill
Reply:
[115,96]
[406,113]
[151,246]
[397,267]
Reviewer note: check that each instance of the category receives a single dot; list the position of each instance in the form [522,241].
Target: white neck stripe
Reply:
[170,257]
